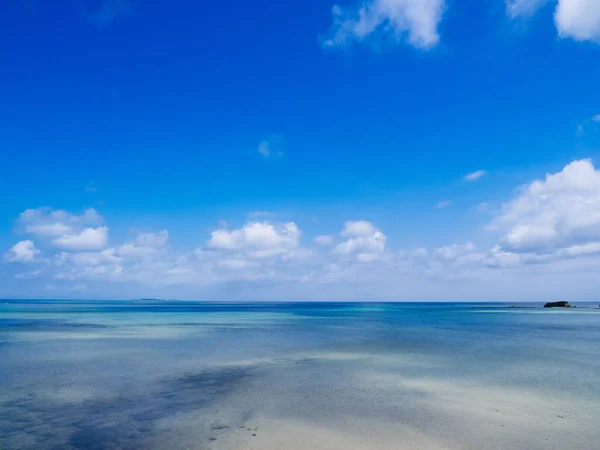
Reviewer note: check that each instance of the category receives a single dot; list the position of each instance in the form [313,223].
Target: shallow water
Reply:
[297,375]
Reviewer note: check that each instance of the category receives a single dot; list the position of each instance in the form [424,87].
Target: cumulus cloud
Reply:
[65,230]
[453,252]
[550,225]
[555,213]
[324,239]
[578,19]
[85,259]
[475,175]
[47,223]
[86,239]
[363,241]
[414,20]
[23,251]
[146,259]
[575,19]
[144,244]
[257,239]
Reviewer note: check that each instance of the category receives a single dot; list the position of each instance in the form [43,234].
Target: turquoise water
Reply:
[151,374]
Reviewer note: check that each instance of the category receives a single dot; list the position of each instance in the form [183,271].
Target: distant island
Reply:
[558,305]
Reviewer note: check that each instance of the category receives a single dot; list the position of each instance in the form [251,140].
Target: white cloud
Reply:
[475,175]
[420,253]
[519,8]
[596,118]
[264,149]
[145,244]
[23,251]
[86,239]
[415,20]
[28,275]
[364,241]
[152,239]
[497,257]
[83,259]
[555,213]
[272,147]
[358,228]
[257,239]
[576,19]
[324,239]
[237,264]
[583,249]
[453,252]
[551,226]
[443,204]
[46,222]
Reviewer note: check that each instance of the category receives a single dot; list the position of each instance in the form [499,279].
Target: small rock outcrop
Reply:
[557,305]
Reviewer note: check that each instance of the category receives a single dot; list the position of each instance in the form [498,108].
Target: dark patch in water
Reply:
[125,422]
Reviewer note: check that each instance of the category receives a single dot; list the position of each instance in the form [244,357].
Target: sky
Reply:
[414,150]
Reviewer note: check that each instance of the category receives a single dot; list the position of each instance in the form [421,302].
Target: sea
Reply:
[152,374]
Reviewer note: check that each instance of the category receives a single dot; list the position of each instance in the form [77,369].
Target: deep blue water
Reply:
[150,374]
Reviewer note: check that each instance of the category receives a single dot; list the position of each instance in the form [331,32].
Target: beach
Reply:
[297,376]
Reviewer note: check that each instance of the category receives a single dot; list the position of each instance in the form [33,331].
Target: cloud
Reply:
[549,228]
[359,228]
[152,240]
[443,204]
[145,244]
[84,259]
[575,19]
[65,230]
[475,175]
[87,239]
[28,275]
[583,249]
[555,213]
[414,20]
[147,259]
[257,239]
[264,149]
[578,19]
[596,118]
[453,252]
[364,241]
[23,251]
[324,239]
[46,222]
[272,147]
[520,8]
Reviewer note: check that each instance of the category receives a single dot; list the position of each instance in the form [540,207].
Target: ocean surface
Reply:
[188,375]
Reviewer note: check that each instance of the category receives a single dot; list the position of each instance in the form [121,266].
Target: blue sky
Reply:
[215,142]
